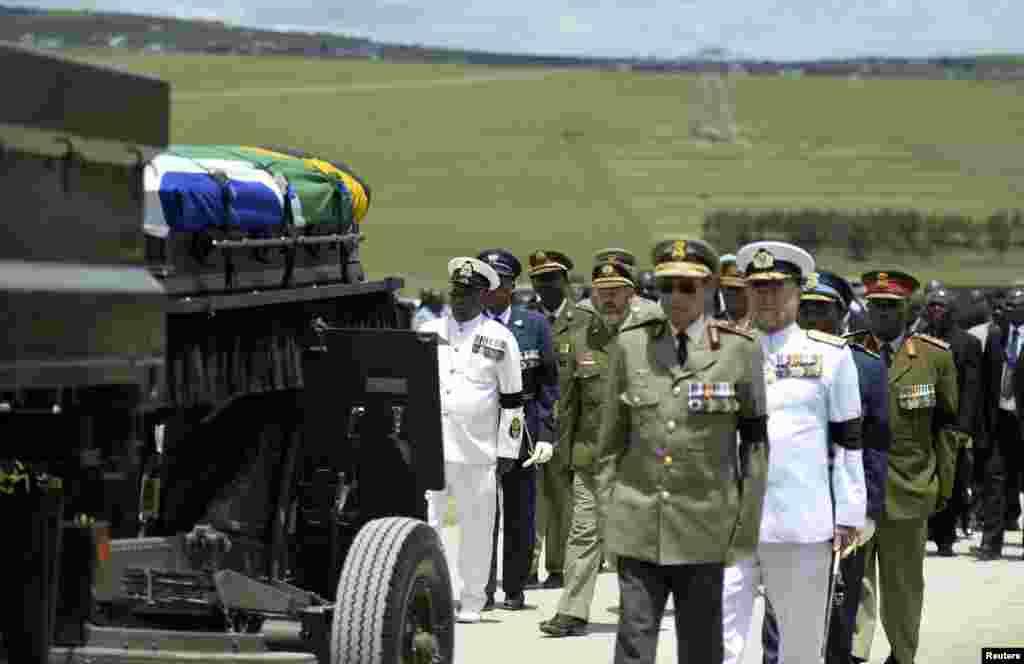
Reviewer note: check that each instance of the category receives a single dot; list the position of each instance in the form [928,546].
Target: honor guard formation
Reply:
[718,428]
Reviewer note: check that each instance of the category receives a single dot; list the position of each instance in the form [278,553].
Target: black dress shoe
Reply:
[985,553]
[532,583]
[563,625]
[553,582]
[947,551]
[514,602]
[489,604]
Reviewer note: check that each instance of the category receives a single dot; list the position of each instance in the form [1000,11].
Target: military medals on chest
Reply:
[793,365]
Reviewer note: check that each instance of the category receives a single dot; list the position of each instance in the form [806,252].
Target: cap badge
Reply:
[763,260]
[493,258]
[466,271]
[608,269]
[883,280]
[812,281]
[679,250]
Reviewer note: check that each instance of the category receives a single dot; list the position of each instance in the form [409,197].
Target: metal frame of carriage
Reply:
[227,450]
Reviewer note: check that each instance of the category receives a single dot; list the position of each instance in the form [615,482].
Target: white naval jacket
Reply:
[478,362]
[810,384]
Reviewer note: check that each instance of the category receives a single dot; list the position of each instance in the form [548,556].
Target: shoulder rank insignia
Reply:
[932,340]
[732,328]
[646,322]
[863,349]
[824,338]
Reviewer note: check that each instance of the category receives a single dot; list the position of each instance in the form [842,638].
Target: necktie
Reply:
[681,350]
[887,353]
[1011,364]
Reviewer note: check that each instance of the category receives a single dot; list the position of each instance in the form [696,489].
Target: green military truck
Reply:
[216,442]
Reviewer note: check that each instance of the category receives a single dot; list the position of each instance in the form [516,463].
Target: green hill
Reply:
[466,157]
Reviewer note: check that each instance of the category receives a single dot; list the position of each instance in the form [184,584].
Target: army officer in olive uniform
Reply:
[549,275]
[922,415]
[679,389]
[613,304]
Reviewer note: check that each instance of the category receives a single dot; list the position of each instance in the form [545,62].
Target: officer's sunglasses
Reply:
[669,285]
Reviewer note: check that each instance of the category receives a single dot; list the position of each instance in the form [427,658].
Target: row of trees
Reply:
[861,232]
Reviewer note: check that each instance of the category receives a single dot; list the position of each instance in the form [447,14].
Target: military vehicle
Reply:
[216,446]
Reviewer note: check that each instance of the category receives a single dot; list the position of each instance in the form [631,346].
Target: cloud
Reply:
[780,29]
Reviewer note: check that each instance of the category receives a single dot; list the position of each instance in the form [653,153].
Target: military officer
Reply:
[482,420]
[824,304]
[549,274]
[734,292]
[922,393]
[679,389]
[614,303]
[814,413]
[540,393]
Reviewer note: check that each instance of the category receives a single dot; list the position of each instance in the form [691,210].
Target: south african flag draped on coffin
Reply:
[255,190]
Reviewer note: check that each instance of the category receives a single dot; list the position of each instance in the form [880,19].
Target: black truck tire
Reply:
[394,603]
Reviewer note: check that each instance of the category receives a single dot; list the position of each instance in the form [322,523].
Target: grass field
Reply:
[463,158]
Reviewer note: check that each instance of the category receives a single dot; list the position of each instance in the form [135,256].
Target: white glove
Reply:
[863,536]
[867,532]
[542,453]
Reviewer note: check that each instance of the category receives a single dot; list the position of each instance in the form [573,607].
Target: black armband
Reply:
[753,430]
[846,434]
[513,400]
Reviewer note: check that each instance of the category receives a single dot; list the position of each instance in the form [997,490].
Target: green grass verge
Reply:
[579,160]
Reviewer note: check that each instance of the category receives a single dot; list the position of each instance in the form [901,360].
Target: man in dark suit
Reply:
[940,316]
[1003,385]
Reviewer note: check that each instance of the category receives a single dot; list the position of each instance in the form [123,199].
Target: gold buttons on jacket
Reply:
[677,390]
[671,425]
[668,461]
[664,495]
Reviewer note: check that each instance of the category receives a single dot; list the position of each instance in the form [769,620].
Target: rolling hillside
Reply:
[466,157]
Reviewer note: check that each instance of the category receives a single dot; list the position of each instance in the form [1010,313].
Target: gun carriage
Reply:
[216,434]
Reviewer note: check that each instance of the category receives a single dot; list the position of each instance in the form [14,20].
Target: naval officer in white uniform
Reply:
[482,421]
[814,411]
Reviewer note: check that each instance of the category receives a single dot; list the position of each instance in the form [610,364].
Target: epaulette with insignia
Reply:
[863,349]
[726,326]
[647,322]
[935,341]
[830,339]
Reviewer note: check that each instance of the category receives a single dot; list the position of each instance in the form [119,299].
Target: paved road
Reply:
[968,605]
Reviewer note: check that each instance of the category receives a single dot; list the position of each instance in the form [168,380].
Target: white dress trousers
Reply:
[474,488]
[795,577]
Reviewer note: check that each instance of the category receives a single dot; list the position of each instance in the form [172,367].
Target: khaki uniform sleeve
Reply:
[615,419]
[753,419]
[946,442]
[568,408]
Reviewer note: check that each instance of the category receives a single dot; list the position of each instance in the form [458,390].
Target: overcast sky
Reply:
[778,29]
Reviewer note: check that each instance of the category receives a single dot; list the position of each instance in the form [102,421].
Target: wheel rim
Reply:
[426,622]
